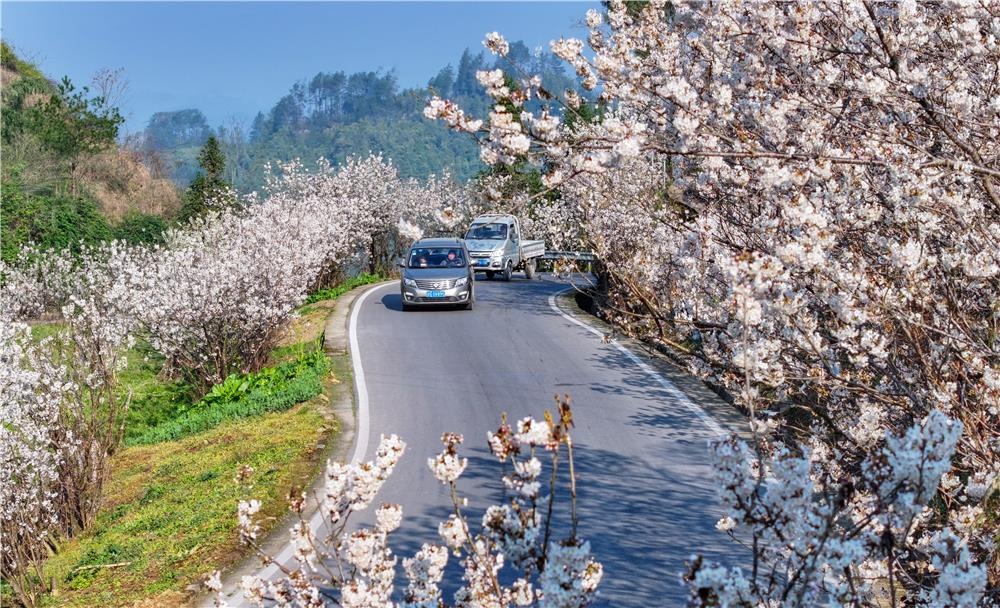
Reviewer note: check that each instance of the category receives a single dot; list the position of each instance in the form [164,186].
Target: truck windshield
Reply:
[488,232]
[436,257]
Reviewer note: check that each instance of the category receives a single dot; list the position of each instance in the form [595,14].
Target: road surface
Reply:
[646,497]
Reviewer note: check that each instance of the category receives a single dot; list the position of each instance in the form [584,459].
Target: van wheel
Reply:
[507,270]
[530,269]
[490,274]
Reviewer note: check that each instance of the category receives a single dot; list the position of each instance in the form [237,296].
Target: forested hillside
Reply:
[65,180]
[336,115]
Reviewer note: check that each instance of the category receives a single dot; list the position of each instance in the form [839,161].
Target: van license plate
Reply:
[483,262]
[435,294]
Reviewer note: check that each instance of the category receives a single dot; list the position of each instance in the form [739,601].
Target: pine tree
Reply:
[208,190]
[211,159]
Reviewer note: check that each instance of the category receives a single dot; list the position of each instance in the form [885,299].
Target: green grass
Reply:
[169,514]
[154,400]
[242,396]
[342,288]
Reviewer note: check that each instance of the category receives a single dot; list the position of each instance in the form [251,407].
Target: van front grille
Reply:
[435,283]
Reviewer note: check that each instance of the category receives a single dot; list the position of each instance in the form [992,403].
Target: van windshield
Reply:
[436,257]
[487,232]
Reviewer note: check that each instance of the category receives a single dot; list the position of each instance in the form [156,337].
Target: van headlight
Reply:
[409,282]
[461,281]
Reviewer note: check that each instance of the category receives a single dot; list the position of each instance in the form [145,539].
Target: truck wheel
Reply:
[530,269]
[490,274]
[507,270]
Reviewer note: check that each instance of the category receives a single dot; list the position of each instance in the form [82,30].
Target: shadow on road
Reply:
[393,301]
[519,294]
[637,518]
[661,414]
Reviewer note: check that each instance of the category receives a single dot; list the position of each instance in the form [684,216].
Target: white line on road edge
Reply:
[361,428]
[667,385]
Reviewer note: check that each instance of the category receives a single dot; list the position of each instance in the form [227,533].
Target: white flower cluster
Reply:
[496,44]
[31,390]
[803,520]
[361,568]
[447,466]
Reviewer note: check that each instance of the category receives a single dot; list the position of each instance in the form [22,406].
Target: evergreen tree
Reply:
[211,159]
[208,191]
[442,83]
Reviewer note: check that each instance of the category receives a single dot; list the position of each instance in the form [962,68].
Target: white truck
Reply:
[496,247]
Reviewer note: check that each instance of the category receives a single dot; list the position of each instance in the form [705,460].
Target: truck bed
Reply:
[532,249]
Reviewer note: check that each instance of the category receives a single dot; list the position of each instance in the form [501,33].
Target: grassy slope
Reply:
[170,509]
[169,516]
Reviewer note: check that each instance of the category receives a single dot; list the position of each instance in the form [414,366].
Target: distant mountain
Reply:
[336,115]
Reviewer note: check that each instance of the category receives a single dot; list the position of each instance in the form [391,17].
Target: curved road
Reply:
[646,497]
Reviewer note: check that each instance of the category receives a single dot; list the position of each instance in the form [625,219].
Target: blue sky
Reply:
[231,59]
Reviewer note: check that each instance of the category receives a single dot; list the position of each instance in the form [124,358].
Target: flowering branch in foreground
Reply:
[356,569]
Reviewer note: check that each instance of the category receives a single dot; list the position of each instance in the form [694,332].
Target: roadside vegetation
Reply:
[332,293]
[166,515]
[65,180]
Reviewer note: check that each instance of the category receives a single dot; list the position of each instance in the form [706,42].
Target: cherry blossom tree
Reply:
[62,413]
[802,200]
[30,393]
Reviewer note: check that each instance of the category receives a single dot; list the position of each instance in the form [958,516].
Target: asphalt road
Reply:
[646,496]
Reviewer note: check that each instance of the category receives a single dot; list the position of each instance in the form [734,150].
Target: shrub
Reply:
[51,221]
[137,228]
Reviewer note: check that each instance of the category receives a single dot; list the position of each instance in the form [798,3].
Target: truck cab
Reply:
[497,246]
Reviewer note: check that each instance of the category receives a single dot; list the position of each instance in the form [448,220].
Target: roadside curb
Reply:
[700,394]
[336,341]
[335,334]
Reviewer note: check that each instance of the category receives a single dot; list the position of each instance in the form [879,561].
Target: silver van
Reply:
[437,271]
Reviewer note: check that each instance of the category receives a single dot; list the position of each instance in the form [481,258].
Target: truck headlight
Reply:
[496,255]
[409,282]
[461,281]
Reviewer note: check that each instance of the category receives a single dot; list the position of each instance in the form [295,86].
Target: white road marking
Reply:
[667,385]
[362,428]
